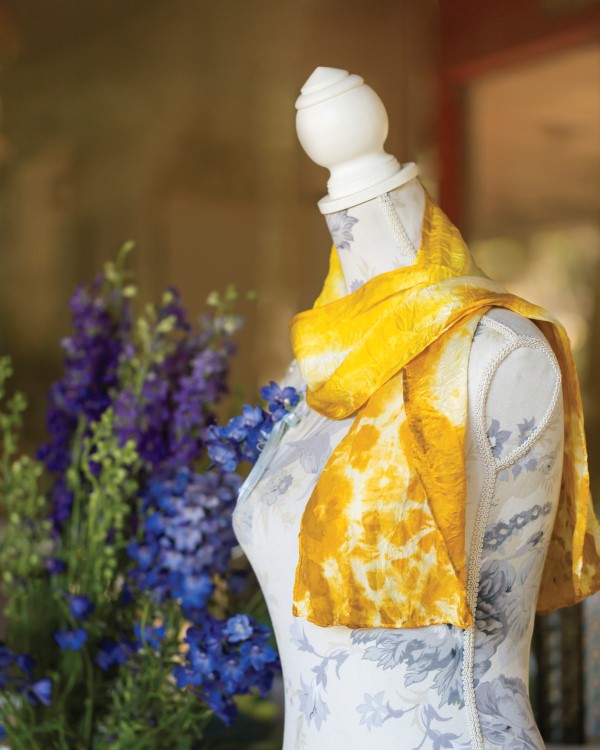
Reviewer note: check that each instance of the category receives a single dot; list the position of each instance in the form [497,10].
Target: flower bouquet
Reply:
[120,593]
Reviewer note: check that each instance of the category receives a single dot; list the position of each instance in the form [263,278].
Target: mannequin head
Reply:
[342,125]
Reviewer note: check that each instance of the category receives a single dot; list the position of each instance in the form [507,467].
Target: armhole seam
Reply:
[491,470]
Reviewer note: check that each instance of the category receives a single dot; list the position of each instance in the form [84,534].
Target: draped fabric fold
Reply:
[381,541]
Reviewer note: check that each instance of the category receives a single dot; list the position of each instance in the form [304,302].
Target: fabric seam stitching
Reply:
[398,230]
[492,468]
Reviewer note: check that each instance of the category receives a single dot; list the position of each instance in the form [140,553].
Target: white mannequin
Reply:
[436,686]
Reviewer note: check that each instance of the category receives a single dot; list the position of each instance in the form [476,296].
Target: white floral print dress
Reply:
[438,686]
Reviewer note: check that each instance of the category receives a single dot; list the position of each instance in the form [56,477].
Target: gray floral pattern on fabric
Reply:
[436,651]
[497,437]
[312,704]
[528,464]
[508,593]
[356,284]
[340,227]
[526,427]
[311,694]
[505,714]
[503,530]
[313,452]
[276,489]
[496,582]
[438,739]
[374,712]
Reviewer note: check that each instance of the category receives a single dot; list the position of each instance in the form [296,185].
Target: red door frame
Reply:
[481,36]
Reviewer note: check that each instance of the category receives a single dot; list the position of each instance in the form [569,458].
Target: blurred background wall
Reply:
[171,122]
[519,171]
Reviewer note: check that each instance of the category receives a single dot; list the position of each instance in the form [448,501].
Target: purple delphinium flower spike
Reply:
[92,356]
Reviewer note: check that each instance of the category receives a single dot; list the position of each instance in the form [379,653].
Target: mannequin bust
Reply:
[437,686]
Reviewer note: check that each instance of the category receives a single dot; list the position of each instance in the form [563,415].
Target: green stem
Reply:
[73,675]
[89,700]
[61,735]
[91,553]
[77,451]
[143,621]
[254,601]
[24,739]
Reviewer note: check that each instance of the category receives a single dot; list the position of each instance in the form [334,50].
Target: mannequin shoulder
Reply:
[514,379]
[508,343]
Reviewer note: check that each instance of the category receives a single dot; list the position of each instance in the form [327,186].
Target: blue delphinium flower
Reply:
[238,628]
[219,667]
[71,640]
[40,692]
[224,454]
[241,439]
[112,653]
[187,538]
[16,674]
[54,565]
[153,636]
[258,654]
[244,436]
[280,400]
[81,607]
[251,418]
[25,663]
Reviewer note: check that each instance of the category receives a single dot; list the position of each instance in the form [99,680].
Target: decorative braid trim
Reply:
[492,468]
[519,452]
[497,326]
[398,230]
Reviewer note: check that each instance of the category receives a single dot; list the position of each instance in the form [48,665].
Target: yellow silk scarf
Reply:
[382,538]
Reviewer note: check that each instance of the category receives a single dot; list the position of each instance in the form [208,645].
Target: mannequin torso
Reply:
[409,688]
[437,686]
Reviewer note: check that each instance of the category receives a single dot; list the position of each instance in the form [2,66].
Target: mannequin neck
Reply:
[379,235]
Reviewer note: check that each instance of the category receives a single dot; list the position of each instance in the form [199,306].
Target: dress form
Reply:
[437,686]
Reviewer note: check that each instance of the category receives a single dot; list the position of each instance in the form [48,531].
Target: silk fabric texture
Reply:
[382,538]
